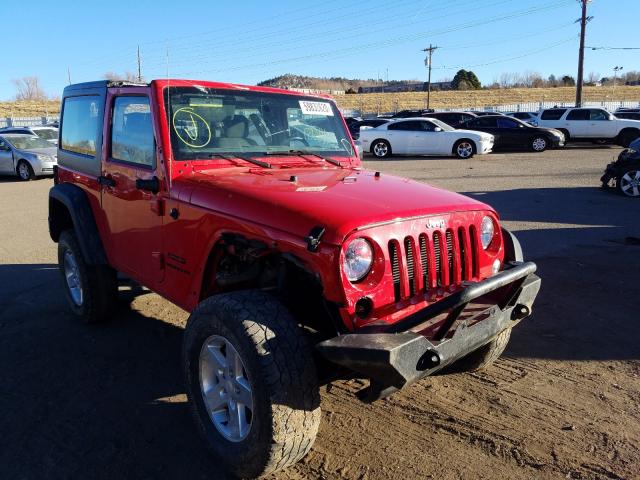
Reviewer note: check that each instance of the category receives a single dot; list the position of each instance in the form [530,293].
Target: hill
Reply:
[316,83]
[390,102]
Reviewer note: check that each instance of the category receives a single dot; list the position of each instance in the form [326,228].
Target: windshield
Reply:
[442,125]
[46,133]
[206,122]
[28,142]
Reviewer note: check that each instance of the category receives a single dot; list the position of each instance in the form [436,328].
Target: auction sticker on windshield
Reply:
[316,108]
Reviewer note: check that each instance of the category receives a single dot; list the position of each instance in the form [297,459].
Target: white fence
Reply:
[25,121]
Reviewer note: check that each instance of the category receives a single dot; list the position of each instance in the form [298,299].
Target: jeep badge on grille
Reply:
[434,223]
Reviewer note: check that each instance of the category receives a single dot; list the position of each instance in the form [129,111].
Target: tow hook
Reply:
[519,312]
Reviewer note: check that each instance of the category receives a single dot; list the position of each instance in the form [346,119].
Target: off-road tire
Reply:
[278,362]
[99,283]
[24,171]
[457,150]
[381,148]
[484,356]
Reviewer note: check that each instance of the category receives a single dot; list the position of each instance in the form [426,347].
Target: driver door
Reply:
[133,210]
[426,140]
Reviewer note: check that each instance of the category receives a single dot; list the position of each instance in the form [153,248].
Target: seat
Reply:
[235,132]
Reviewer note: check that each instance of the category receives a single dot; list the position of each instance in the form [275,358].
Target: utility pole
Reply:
[427,61]
[69,75]
[139,66]
[583,27]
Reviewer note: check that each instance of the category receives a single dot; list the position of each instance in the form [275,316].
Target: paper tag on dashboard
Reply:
[316,108]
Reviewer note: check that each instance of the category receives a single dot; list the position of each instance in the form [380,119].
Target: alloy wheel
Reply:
[72,275]
[226,389]
[539,144]
[23,171]
[630,183]
[465,150]
[380,149]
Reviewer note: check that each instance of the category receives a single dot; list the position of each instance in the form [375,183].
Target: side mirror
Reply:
[437,129]
[4,147]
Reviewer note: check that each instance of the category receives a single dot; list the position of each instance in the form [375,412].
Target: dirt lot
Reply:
[108,401]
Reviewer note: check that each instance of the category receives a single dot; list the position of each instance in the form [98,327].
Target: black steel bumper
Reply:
[396,356]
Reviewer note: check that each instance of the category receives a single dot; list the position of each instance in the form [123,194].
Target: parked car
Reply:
[47,133]
[27,156]
[412,113]
[628,109]
[594,124]
[509,132]
[453,119]
[528,117]
[363,124]
[628,115]
[623,175]
[291,258]
[423,136]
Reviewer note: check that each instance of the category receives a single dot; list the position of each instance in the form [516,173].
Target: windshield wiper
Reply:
[260,163]
[304,152]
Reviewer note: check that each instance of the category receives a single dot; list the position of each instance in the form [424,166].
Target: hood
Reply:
[52,151]
[340,200]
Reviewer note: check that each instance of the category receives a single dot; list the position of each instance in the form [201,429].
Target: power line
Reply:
[614,48]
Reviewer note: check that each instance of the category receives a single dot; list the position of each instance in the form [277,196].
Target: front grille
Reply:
[433,260]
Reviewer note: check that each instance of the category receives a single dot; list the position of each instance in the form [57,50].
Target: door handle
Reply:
[151,185]
[106,181]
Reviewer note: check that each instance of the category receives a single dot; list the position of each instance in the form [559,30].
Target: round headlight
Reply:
[358,258]
[486,232]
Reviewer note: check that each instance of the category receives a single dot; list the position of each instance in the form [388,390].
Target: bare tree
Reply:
[29,88]
[126,77]
[593,78]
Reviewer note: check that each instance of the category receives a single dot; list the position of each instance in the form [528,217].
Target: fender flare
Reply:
[512,247]
[74,199]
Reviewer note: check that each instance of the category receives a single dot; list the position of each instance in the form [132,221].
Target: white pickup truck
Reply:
[595,124]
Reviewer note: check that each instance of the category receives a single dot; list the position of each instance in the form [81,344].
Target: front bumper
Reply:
[398,355]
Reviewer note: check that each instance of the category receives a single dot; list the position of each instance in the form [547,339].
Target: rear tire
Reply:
[91,290]
[277,379]
[627,136]
[24,171]
[381,148]
[464,148]
[484,356]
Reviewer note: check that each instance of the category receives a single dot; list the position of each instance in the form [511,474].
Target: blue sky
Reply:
[249,41]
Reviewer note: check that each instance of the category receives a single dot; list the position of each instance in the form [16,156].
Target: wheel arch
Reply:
[379,139]
[474,144]
[69,208]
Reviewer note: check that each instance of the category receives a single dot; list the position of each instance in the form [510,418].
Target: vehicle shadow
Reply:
[585,242]
[90,401]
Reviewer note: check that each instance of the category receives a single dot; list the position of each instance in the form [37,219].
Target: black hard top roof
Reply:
[105,84]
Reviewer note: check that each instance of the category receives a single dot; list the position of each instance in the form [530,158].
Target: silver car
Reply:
[27,156]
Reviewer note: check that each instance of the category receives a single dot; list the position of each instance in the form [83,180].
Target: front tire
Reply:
[25,171]
[381,148]
[539,143]
[271,393]
[464,148]
[91,290]
[628,183]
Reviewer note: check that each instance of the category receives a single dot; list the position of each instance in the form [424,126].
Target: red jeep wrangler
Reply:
[249,208]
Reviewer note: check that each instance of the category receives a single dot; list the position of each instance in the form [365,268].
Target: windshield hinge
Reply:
[313,239]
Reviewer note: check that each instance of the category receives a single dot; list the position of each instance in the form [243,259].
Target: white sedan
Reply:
[423,136]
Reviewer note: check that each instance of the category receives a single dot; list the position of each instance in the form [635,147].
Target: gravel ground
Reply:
[108,401]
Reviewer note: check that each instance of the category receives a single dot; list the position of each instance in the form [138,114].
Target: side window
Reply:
[553,114]
[578,114]
[427,126]
[487,122]
[597,114]
[399,126]
[506,123]
[132,131]
[80,124]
